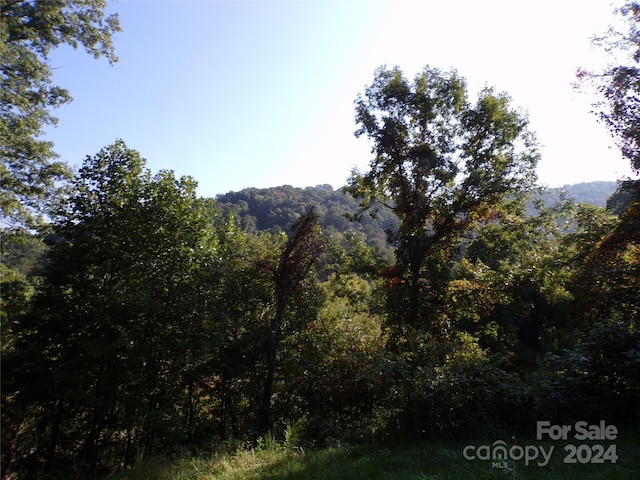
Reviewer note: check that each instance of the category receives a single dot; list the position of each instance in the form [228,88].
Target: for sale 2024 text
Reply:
[581,431]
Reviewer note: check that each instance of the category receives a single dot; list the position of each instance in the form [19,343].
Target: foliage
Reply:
[239,312]
[619,84]
[596,378]
[622,197]
[112,306]
[29,31]
[290,276]
[610,281]
[517,276]
[275,209]
[17,292]
[152,329]
[450,389]
[31,181]
[116,354]
[232,336]
[333,362]
[595,373]
[442,165]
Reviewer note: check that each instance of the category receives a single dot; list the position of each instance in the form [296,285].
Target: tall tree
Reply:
[615,263]
[618,85]
[296,260]
[611,275]
[441,164]
[111,334]
[29,30]
[602,333]
[241,308]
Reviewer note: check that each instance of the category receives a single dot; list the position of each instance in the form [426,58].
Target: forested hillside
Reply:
[593,193]
[276,208]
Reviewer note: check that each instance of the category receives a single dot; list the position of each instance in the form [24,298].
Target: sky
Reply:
[244,94]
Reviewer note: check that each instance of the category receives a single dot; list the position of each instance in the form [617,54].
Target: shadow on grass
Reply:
[431,461]
[420,461]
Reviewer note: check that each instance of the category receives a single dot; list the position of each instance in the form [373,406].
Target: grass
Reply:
[422,461]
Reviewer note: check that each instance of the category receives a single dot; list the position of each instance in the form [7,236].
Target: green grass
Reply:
[421,461]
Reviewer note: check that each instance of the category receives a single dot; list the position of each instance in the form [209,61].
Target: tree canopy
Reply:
[442,164]
[618,85]
[29,30]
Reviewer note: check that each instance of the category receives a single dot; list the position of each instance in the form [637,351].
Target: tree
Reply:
[113,332]
[29,30]
[333,362]
[609,284]
[516,280]
[442,165]
[601,353]
[600,359]
[296,260]
[618,85]
[241,309]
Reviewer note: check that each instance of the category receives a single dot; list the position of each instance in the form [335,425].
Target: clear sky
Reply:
[259,94]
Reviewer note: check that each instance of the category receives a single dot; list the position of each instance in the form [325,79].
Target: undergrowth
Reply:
[282,460]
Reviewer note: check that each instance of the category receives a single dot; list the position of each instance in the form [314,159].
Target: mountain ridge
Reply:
[276,208]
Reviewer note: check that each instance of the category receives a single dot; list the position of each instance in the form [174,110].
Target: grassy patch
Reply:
[421,461]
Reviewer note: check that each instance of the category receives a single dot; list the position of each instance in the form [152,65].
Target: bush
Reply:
[461,392]
[599,377]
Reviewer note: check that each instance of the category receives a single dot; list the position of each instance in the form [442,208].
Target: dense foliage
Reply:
[29,174]
[619,83]
[156,323]
[275,209]
[439,293]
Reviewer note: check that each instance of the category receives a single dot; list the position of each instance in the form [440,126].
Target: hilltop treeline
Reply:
[276,208]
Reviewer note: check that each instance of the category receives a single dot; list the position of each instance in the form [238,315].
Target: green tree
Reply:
[618,85]
[609,283]
[240,311]
[443,166]
[596,371]
[332,362]
[113,333]
[30,178]
[593,372]
[516,281]
[611,277]
[290,276]
[29,30]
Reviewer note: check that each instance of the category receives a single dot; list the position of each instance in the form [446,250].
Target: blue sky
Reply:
[257,94]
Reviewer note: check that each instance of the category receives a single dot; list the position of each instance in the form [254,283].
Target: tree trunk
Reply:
[414,294]
[264,417]
[55,434]
[294,265]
